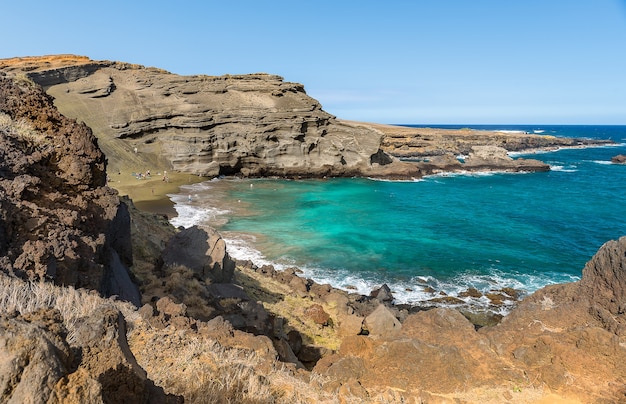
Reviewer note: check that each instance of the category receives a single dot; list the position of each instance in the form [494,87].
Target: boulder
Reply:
[382,323]
[619,159]
[201,250]
[38,364]
[382,294]
[316,313]
[34,357]
[604,277]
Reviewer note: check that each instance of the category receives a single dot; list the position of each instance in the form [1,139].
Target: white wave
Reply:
[563,169]
[190,214]
[391,180]
[509,131]
[603,162]
[418,291]
[538,131]
[239,246]
[464,173]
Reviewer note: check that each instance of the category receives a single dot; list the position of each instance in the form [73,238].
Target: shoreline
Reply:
[151,194]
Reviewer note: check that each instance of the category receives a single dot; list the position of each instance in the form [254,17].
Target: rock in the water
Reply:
[619,159]
[382,294]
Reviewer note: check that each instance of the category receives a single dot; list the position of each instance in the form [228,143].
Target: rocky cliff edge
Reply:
[251,125]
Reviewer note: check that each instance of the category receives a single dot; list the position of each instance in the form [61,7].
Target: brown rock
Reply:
[604,277]
[316,313]
[38,365]
[34,358]
[471,292]
[382,294]
[167,307]
[382,323]
[201,250]
[619,159]
[59,222]
[349,324]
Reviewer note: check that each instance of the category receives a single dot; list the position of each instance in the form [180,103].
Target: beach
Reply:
[150,193]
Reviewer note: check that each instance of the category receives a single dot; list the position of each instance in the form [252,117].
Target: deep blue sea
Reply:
[449,233]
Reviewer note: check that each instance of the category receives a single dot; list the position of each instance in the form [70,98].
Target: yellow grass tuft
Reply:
[26,297]
[20,129]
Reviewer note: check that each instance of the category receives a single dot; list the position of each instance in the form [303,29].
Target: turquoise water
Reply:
[447,232]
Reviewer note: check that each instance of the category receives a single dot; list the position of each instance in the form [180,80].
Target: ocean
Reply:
[445,233]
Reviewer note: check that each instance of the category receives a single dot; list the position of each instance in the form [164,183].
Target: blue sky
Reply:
[437,61]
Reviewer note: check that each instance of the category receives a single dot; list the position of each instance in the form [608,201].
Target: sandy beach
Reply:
[150,193]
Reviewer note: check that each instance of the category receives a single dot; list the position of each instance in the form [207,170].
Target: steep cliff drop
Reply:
[58,221]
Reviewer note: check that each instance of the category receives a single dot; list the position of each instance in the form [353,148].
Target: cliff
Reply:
[210,330]
[59,222]
[252,125]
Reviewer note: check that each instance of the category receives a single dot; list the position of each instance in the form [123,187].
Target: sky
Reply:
[413,61]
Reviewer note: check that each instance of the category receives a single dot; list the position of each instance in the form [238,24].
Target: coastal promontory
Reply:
[103,302]
[252,125]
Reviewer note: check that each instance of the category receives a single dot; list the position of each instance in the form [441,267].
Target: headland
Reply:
[108,303]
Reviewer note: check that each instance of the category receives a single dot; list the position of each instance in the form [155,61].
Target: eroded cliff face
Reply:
[253,125]
[58,221]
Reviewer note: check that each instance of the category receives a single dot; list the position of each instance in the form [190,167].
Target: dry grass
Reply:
[203,371]
[280,300]
[26,297]
[199,369]
[21,129]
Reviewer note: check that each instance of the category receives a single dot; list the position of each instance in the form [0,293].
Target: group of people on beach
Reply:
[141,176]
[147,175]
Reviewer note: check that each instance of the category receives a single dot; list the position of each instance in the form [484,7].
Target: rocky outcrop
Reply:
[566,341]
[489,157]
[39,364]
[419,143]
[58,221]
[251,125]
[201,250]
[604,283]
[619,159]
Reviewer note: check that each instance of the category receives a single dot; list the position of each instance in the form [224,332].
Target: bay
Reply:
[441,233]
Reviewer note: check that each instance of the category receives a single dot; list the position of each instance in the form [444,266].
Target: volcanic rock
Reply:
[619,159]
[251,125]
[58,220]
[604,278]
[201,250]
[39,365]
[382,323]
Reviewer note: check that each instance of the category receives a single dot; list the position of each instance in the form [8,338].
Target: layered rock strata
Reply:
[415,143]
[252,125]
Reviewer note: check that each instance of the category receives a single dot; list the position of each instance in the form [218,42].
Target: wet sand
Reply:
[150,194]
